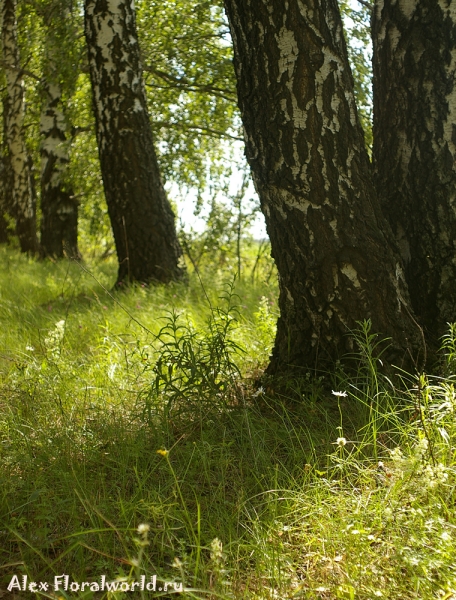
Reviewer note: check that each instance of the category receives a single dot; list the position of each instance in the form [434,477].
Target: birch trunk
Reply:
[4,237]
[6,183]
[415,147]
[305,146]
[59,208]
[141,216]
[24,206]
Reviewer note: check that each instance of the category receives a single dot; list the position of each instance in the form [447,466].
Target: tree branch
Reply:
[207,130]
[191,85]
[366,4]
[20,70]
[77,130]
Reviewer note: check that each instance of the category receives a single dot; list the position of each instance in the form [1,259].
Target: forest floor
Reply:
[138,452]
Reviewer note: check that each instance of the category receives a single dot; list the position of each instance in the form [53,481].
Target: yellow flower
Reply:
[163,452]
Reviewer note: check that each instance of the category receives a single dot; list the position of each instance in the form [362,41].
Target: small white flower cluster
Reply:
[143,530]
[434,476]
[421,448]
[388,514]
[397,457]
[406,463]
[217,551]
[430,476]
[53,340]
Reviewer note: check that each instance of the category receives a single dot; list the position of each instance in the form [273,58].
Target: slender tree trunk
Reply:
[141,216]
[24,205]
[4,237]
[415,147]
[59,208]
[6,182]
[306,150]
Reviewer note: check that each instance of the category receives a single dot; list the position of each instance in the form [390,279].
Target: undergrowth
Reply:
[136,444]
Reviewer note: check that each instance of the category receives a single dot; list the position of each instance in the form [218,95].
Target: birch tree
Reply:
[23,201]
[334,250]
[3,202]
[141,216]
[59,207]
[415,147]
[6,184]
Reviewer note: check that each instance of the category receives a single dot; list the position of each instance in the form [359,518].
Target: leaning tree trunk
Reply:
[306,150]
[59,208]
[24,206]
[415,147]
[141,216]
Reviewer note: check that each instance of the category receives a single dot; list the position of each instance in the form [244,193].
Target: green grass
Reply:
[140,409]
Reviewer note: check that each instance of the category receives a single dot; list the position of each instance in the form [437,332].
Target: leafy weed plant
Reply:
[195,371]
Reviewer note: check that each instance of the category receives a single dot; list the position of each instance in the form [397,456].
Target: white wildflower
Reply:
[445,536]
[259,392]
[143,528]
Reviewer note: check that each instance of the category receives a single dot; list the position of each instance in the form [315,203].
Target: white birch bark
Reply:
[23,201]
[141,215]
[54,147]
[333,249]
[58,206]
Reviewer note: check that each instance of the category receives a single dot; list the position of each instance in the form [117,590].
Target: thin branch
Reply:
[366,4]
[19,70]
[208,130]
[184,82]
[77,130]
[185,88]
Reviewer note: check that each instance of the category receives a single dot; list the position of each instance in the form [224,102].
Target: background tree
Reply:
[333,248]
[59,207]
[192,104]
[6,184]
[23,201]
[141,217]
[415,147]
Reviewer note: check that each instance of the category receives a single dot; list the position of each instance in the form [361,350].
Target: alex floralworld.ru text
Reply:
[63,583]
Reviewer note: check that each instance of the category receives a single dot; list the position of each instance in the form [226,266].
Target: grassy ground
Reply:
[134,443]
